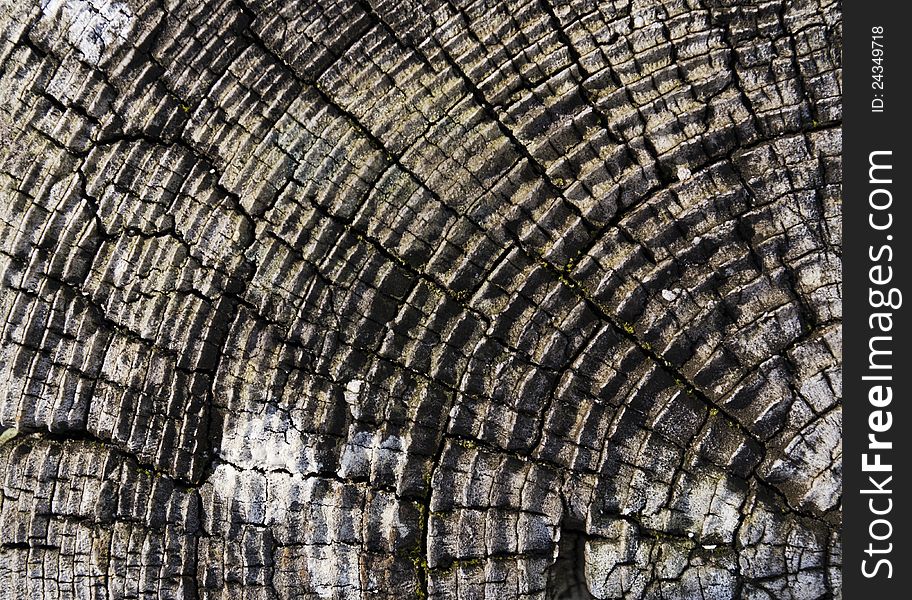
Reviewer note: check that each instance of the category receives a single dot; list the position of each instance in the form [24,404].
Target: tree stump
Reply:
[438,299]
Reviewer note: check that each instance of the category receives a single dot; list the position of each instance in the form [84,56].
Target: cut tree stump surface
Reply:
[375,299]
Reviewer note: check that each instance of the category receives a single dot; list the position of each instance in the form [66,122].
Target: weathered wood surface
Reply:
[384,299]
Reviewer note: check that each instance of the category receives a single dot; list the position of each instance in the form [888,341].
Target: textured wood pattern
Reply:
[399,299]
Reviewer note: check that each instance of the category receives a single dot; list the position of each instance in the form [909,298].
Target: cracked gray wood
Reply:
[399,299]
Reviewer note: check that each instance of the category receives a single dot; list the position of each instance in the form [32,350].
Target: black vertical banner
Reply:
[877,424]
